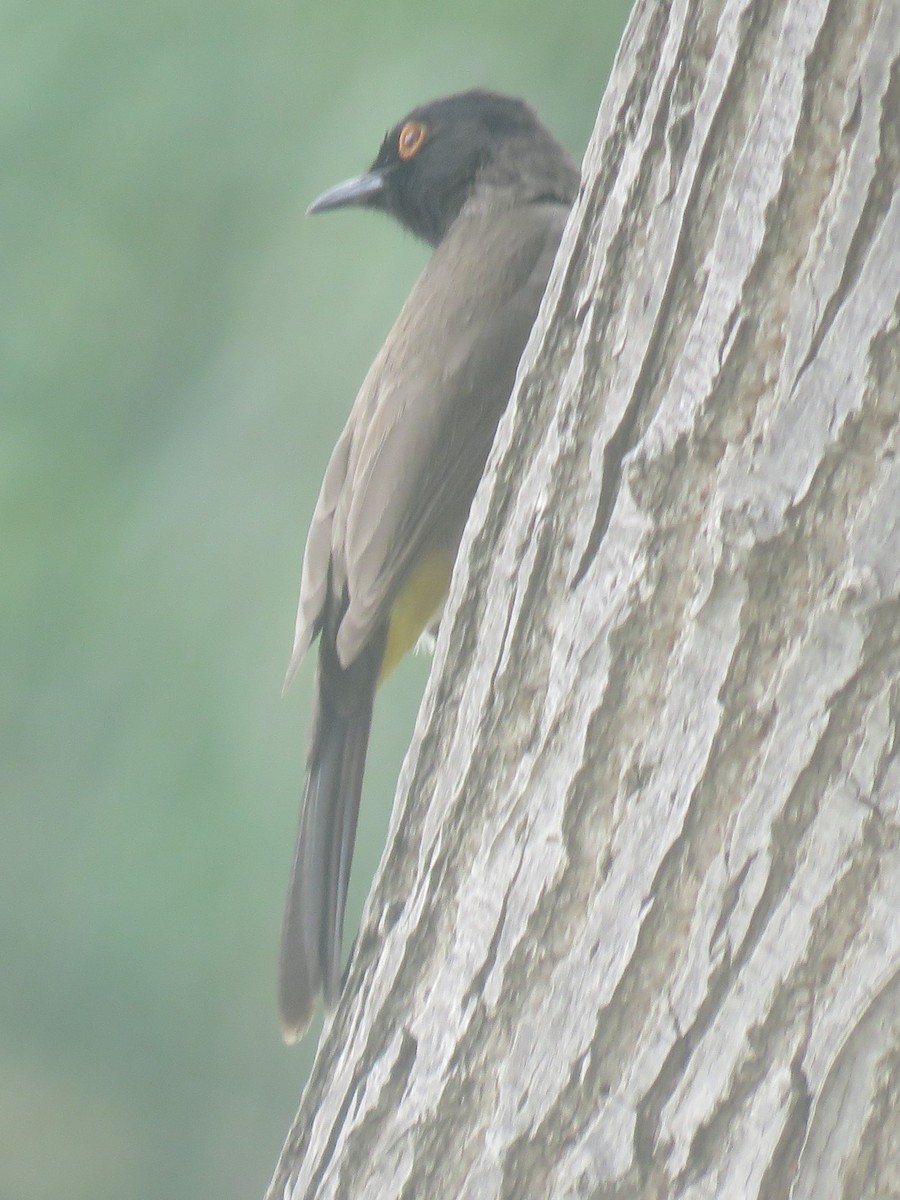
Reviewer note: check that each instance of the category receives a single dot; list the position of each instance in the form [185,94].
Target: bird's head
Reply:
[431,163]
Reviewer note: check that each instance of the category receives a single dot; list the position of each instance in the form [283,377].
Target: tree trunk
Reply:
[637,930]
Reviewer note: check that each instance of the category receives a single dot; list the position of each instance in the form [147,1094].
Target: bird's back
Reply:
[452,356]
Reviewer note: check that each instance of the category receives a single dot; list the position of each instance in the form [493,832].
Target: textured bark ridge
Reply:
[637,930]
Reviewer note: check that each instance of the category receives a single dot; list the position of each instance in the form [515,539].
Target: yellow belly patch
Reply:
[415,606]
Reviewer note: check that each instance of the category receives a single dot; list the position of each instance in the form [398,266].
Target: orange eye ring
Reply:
[411,139]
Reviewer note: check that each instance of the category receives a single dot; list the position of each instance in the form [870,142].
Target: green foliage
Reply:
[178,351]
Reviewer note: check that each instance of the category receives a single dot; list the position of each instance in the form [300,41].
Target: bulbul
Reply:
[478,177]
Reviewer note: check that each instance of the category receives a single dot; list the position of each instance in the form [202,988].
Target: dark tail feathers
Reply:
[311,939]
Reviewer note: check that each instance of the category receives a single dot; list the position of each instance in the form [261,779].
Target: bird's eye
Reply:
[411,139]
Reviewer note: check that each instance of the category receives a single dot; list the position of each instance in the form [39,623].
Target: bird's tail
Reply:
[311,936]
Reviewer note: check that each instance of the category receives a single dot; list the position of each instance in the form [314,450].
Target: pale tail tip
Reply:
[290,1036]
[294,1023]
[294,1027]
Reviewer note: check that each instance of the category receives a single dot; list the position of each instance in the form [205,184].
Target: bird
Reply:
[478,177]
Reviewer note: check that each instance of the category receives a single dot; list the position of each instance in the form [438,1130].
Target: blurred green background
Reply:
[178,351]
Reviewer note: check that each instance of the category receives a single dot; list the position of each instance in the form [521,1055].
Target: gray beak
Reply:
[360,191]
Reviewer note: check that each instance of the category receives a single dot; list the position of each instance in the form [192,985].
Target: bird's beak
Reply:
[361,191]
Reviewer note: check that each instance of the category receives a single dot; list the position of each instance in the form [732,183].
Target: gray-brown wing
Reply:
[404,471]
[442,384]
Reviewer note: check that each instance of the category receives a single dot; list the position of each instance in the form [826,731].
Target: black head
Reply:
[433,160]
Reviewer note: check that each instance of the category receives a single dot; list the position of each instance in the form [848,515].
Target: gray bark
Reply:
[637,930]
